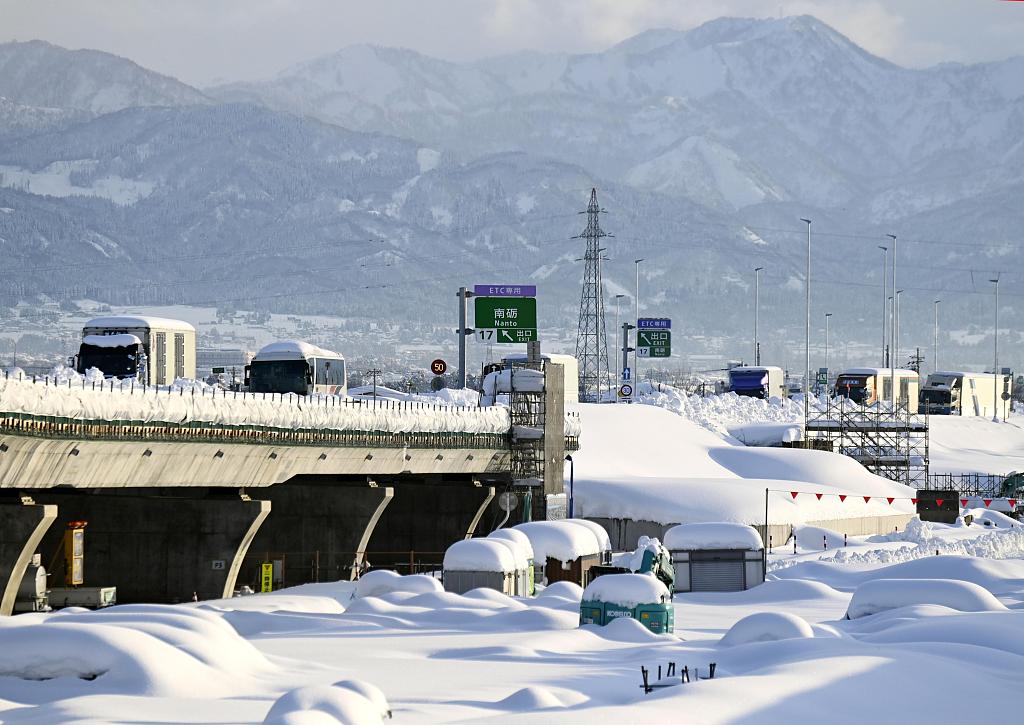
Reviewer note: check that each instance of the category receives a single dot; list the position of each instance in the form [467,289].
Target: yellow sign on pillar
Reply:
[74,553]
[266,577]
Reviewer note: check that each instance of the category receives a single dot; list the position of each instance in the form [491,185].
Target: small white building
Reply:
[484,563]
[715,557]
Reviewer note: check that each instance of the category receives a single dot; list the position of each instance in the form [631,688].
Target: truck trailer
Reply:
[868,386]
[153,350]
[967,394]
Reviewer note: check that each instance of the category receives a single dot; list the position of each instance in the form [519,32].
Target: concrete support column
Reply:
[259,510]
[357,564]
[471,529]
[22,526]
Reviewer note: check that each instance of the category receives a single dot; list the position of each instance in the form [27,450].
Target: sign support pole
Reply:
[464,295]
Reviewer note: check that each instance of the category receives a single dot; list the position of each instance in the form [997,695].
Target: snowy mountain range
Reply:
[706,145]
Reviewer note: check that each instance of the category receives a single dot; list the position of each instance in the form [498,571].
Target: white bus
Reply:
[154,350]
[758,382]
[293,366]
[968,394]
[868,386]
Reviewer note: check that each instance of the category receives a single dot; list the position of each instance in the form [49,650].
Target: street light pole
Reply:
[636,300]
[892,331]
[807,325]
[757,300]
[897,349]
[617,327]
[935,339]
[995,367]
[828,316]
[885,308]
[571,484]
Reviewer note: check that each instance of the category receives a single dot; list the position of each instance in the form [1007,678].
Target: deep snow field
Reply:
[935,630]
[784,651]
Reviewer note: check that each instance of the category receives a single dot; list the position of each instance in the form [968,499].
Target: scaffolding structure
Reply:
[889,443]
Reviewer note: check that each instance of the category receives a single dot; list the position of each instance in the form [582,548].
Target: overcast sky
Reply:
[203,41]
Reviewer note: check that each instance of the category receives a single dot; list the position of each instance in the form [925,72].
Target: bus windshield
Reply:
[113,362]
[279,376]
[936,397]
[749,383]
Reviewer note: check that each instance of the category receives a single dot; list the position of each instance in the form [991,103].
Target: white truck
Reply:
[154,350]
[758,382]
[868,386]
[967,394]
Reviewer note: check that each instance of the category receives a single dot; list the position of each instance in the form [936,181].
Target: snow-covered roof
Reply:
[516,536]
[555,357]
[122,340]
[479,555]
[521,553]
[291,349]
[879,371]
[560,540]
[627,590]
[712,535]
[129,322]
[603,540]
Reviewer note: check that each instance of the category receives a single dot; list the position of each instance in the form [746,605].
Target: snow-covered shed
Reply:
[565,550]
[715,557]
[490,563]
[525,586]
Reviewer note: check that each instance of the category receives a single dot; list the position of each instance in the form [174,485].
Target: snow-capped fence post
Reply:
[685,675]
[844,539]
[646,686]
[712,667]
[794,542]
[769,543]
[824,541]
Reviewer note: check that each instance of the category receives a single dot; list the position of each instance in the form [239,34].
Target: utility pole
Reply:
[591,338]
[636,300]
[757,300]
[892,345]
[885,307]
[828,316]
[625,343]
[807,327]
[626,349]
[897,348]
[374,372]
[935,339]
[995,366]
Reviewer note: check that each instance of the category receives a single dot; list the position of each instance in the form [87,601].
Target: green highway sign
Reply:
[654,343]
[505,313]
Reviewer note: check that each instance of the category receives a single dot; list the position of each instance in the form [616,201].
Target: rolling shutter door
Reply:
[716,573]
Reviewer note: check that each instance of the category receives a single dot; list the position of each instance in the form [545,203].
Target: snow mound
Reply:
[712,535]
[626,629]
[815,537]
[882,595]
[529,699]
[349,702]
[562,590]
[993,519]
[480,555]
[627,590]
[767,627]
[384,581]
[560,540]
[514,535]
[142,649]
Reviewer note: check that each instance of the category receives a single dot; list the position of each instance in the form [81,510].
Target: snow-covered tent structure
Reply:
[489,563]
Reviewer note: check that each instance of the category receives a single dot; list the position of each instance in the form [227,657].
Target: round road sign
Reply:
[625,390]
[439,367]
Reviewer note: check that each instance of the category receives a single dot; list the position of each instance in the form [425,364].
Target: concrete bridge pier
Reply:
[23,523]
[158,545]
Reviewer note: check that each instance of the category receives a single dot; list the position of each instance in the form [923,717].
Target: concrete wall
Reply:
[35,463]
[159,547]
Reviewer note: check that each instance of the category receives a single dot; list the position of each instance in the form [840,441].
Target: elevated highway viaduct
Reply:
[181,511]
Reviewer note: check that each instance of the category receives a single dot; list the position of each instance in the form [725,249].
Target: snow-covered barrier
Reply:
[767,627]
[83,401]
[881,595]
[348,702]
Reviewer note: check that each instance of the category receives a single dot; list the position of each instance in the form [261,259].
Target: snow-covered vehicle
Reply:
[968,394]
[868,386]
[293,366]
[154,350]
[758,382]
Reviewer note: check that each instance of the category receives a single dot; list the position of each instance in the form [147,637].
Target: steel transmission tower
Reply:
[591,337]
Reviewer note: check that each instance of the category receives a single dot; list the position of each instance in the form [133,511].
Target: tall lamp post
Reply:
[757,302]
[935,339]
[618,329]
[892,330]
[995,364]
[885,307]
[807,325]
[828,316]
[571,483]
[636,301]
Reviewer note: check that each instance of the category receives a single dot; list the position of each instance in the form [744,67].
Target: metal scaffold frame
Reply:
[526,413]
[890,443]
